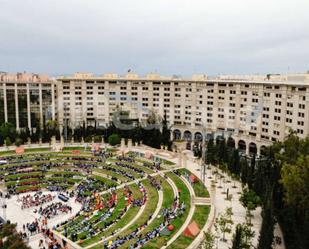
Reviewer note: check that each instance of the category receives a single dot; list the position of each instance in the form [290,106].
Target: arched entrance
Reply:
[230,142]
[187,136]
[198,137]
[252,148]
[242,146]
[177,134]
[263,150]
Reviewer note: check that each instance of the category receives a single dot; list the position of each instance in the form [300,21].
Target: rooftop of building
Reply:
[301,79]
[24,77]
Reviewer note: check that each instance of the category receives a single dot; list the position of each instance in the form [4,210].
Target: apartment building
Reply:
[254,110]
[26,99]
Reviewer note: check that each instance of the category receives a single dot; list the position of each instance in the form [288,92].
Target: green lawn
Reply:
[200,216]
[151,204]
[177,223]
[199,188]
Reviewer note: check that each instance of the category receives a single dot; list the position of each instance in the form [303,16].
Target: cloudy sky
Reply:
[181,37]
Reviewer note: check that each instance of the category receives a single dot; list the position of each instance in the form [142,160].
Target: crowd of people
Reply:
[157,185]
[169,215]
[38,199]
[84,194]
[152,165]
[54,209]
[128,166]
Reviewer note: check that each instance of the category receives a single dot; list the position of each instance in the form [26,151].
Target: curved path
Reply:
[159,205]
[189,217]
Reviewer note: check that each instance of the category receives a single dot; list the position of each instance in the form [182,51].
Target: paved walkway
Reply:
[218,196]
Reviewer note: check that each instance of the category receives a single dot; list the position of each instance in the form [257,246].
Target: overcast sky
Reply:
[181,37]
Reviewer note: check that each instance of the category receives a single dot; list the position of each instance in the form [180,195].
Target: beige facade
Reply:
[256,110]
[26,99]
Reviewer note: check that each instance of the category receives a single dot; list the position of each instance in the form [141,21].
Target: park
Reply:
[99,196]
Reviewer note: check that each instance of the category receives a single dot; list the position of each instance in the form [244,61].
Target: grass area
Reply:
[168,199]
[150,208]
[81,148]
[200,217]
[199,188]
[27,150]
[177,223]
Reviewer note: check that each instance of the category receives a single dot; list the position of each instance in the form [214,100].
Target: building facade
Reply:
[26,99]
[253,110]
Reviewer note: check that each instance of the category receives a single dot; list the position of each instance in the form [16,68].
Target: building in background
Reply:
[254,110]
[27,99]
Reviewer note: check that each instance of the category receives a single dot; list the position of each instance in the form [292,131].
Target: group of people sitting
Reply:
[157,185]
[54,209]
[152,165]
[32,227]
[128,166]
[90,185]
[126,159]
[170,214]
[35,200]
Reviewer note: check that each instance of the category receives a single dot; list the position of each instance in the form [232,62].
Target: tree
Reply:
[208,241]
[10,238]
[244,170]
[251,170]
[224,222]
[242,237]
[295,180]
[114,139]
[267,230]
[166,132]
[249,199]
[18,141]
[8,141]
[234,162]
[210,152]
[7,130]
[237,242]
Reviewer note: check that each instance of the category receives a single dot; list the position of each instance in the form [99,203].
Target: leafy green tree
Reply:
[114,139]
[295,179]
[251,172]
[237,242]
[208,241]
[267,230]
[224,222]
[8,141]
[234,162]
[7,130]
[10,238]
[18,141]
[166,132]
[249,199]
[244,170]
[210,152]
[242,237]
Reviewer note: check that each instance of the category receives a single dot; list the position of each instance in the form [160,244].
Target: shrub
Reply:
[18,142]
[98,139]
[8,141]
[114,139]
[88,139]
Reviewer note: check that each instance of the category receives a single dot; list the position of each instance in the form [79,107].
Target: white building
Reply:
[255,110]
[26,99]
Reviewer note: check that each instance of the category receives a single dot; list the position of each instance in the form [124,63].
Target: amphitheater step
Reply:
[201,201]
